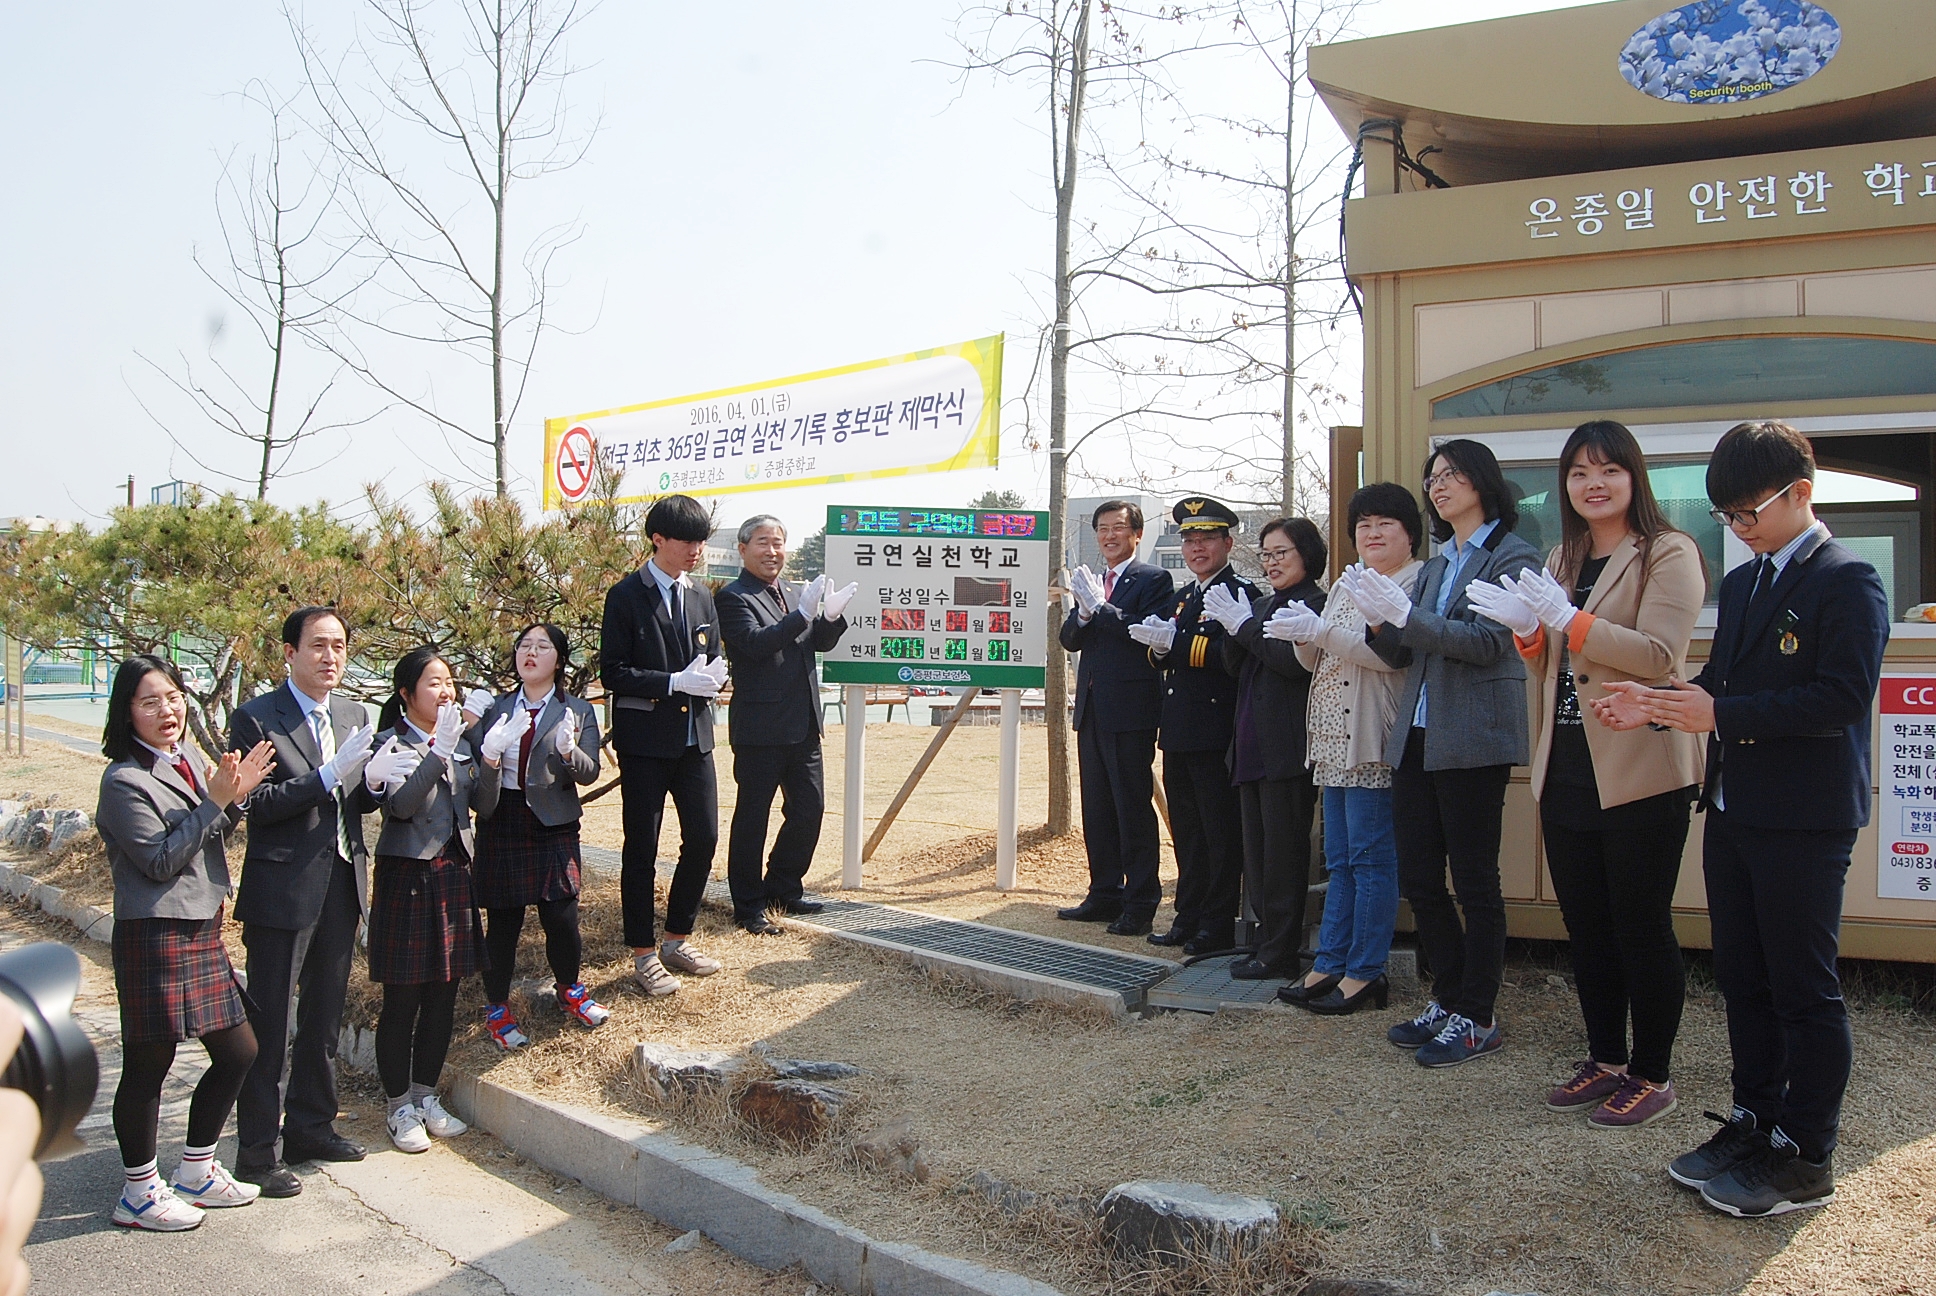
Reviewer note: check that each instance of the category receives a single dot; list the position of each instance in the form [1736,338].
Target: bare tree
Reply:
[488,92]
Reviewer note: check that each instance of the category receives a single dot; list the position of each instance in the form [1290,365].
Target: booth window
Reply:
[1681,489]
[1764,371]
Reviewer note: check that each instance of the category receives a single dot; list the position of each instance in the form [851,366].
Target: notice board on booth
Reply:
[1906,776]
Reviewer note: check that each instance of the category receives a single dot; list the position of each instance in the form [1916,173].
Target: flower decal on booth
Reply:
[1724,51]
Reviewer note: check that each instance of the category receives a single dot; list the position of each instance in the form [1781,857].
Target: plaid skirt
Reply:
[174,979]
[424,925]
[520,861]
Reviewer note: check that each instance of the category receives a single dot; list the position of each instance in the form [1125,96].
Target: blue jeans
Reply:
[1361,902]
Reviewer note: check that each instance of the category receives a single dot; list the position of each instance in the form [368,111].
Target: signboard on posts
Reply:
[950,597]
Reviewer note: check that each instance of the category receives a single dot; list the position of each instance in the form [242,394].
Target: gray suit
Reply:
[551,784]
[164,840]
[434,804]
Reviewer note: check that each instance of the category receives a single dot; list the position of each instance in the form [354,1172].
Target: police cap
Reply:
[1201,513]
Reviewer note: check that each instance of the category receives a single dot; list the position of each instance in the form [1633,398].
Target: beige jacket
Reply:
[1370,685]
[1625,633]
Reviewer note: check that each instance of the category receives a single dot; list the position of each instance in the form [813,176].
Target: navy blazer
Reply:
[639,651]
[1118,688]
[1199,695]
[776,696]
[1793,685]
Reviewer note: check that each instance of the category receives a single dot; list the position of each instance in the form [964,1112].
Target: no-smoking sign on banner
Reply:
[1906,819]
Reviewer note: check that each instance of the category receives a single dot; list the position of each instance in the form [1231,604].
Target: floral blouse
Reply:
[1325,725]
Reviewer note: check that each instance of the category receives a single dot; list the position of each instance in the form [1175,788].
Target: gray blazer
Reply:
[551,784]
[165,842]
[432,805]
[1476,703]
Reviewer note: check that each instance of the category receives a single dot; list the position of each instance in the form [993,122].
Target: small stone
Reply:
[1555,980]
[685,1242]
[794,1111]
[1173,1223]
[892,1149]
[667,1070]
[1356,1287]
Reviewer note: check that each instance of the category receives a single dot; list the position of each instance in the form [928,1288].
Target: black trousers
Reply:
[413,1034]
[794,771]
[291,1089]
[1277,863]
[1451,819]
[644,782]
[1205,823]
[564,945]
[1616,892]
[1119,817]
[1775,900]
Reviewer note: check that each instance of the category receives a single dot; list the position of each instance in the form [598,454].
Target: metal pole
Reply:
[6,692]
[853,799]
[1011,776]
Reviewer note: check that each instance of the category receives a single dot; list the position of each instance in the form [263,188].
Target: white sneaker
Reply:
[680,956]
[157,1209]
[438,1121]
[652,976]
[407,1129]
[222,1189]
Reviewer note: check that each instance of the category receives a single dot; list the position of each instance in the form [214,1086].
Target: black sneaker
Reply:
[1775,1180]
[1733,1143]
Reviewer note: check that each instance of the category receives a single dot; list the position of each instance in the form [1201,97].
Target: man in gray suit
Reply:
[304,888]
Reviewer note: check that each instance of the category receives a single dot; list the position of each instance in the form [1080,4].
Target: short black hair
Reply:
[1387,499]
[1755,460]
[1305,538]
[558,641]
[1481,468]
[1134,513]
[296,624]
[679,517]
[117,737]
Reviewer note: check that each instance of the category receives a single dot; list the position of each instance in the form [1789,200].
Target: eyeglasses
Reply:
[154,706]
[1748,517]
[1444,477]
[1275,555]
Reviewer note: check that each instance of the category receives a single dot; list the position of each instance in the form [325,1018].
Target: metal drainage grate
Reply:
[1206,986]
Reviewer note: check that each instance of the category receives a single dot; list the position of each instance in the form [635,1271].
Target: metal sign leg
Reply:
[853,794]
[1011,772]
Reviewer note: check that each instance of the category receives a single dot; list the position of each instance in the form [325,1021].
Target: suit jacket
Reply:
[1476,706]
[422,814]
[551,781]
[1199,695]
[1276,682]
[292,819]
[640,650]
[165,840]
[1793,683]
[776,695]
[1118,687]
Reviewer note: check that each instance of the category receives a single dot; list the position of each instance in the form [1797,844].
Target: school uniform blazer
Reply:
[1635,626]
[165,841]
[1371,690]
[1793,683]
[639,651]
[292,818]
[1476,700]
[1118,688]
[422,814]
[1279,684]
[551,783]
[776,696]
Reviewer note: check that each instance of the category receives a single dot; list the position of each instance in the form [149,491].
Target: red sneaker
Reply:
[1634,1104]
[1590,1086]
[503,1028]
[577,1002]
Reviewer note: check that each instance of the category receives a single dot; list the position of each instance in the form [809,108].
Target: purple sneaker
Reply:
[1590,1086]
[1635,1103]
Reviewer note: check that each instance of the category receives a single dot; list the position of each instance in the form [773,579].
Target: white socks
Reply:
[142,1178]
[196,1165]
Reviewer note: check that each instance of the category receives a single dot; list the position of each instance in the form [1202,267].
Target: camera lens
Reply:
[55,1063]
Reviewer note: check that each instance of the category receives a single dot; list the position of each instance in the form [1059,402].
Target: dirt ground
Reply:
[1459,1181]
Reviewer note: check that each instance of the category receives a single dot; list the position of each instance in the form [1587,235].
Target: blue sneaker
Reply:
[1460,1040]
[1420,1029]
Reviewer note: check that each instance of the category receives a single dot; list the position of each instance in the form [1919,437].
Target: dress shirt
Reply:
[512,771]
[318,713]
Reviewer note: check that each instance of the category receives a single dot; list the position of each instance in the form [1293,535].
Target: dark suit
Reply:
[774,726]
[664,742]
[1199,716]
[299,903]
[1119,703]
[1793,674]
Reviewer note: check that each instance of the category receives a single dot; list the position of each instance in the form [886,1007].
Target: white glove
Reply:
[834,604]
[718,670]
[564,736]
[391,766]
[1378,592]
[450,728]
[1154,632]
[1347,584]
[810,596]
[1295,623]
[350,755]
[1087,589]
[1503,604]
[478,703]
[1545,596]
[1229,609]
[505,734]
[697,679]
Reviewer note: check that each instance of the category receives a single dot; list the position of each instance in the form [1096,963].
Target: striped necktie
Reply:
[326,743]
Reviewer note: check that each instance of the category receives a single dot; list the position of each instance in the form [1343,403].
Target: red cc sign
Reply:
[1908,695]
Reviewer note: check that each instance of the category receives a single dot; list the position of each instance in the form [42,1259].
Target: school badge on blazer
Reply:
[1787,643]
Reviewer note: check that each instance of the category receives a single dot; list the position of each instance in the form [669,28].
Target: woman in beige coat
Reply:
[1616,601]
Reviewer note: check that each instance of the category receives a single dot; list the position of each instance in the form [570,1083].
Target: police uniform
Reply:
[1199,717]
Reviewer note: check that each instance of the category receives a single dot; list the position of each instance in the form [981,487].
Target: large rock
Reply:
[1175,1223]
[64,827]
[800,1068]
[793,1111]
[20,828]
[669,1071]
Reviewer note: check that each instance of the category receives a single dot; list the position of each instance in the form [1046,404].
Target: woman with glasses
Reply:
[1616,601]
[1274,787]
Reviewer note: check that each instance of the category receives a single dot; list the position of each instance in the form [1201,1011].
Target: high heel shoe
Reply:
[1338,1004]
[1300,994]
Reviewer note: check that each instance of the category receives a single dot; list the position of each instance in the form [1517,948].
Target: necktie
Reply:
[779,596]
[1108,584]
[187,772]
[524,744]
[1764,581]
[326,743]
[677,606]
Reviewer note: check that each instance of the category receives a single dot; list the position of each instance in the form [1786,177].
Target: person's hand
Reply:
[1380,592]
[1686,707]
[391,766]
[810,596]
[696,680]
[504,735]
[237,774]
[477,704]
[20,1181]
[450,727]
[1294,623]
[1503,604]
[1544,596]
[1154,633]
[1228,609]
[564,735]
[834,604]
[1087,589]
[350,755]
[1624,707]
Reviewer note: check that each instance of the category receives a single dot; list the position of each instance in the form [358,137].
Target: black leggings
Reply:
[144,1069]
[413,1034]
[563,947]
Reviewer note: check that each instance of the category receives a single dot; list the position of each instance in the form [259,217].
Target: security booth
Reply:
[1681,219]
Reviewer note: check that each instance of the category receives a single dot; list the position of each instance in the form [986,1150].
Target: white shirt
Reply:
[310,706]
[512,776]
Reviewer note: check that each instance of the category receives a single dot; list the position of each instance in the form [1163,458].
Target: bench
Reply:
[888,695]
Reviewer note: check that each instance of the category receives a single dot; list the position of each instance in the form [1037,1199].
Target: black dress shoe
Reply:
[1339,1004]
[1299,993]
[1091,910]
[759,925]
[800,906]
[276,1180]
[1174,936]
[1251,970]
[1204,943]
[331,1147]
[1129,925]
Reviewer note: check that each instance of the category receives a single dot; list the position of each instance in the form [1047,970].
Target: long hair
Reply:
[1604,441]
[403,679]
[117,738]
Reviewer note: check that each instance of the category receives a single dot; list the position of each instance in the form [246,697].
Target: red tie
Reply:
[524,745]
[187,771]
[1108,584]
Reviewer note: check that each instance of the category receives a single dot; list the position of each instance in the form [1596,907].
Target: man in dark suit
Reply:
[305,879]
[1199,717]
[771,630]
[1785,699]
[659,658]
[1119,701]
